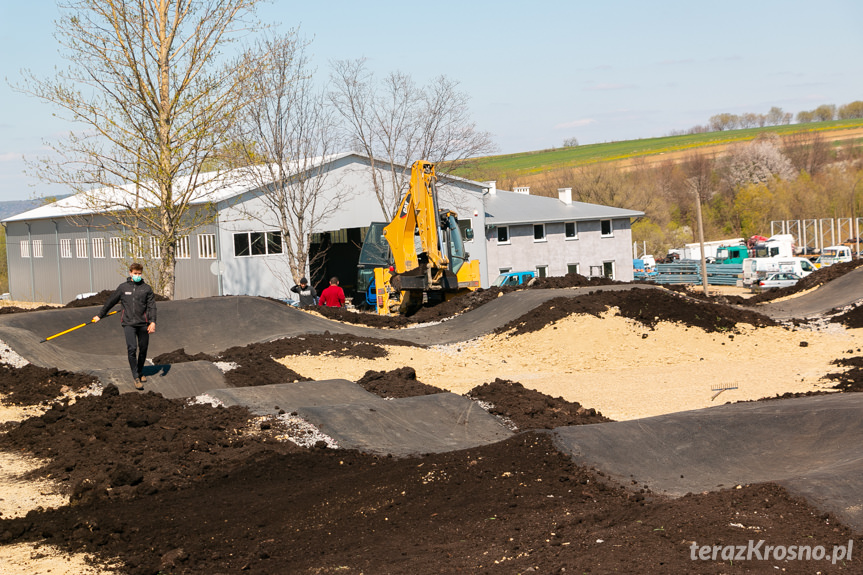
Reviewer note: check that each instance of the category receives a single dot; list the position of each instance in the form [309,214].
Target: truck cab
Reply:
[511,279]
[732,254]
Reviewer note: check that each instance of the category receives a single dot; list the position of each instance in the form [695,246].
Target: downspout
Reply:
[32,273]
[219,253]
[90,256]
[59,270]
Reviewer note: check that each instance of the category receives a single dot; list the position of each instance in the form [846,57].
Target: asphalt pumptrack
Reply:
[810,445]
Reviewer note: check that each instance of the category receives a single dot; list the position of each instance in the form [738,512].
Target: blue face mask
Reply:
[137,279]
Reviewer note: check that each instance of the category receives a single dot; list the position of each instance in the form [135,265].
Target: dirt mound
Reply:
[513,507]
[570,280]
[850,380]
[100,299]
[397,383]
[256,366]
[647,306]
[530,409]
[124,446]
[851,319]
[31,385]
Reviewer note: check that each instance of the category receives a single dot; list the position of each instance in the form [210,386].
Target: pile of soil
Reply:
[813,280]
[100,299]
[513,507]
[256,365]
[461,304]
[173,487]
[123,446]
[396,383]
[850,380]
[530,409]
[646,306]
[851,319]
[33,385]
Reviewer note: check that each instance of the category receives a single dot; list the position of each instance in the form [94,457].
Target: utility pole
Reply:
[701,241]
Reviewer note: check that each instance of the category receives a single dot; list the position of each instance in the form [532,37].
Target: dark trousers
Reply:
[137,339]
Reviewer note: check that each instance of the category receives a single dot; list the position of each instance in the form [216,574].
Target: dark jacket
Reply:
[138,301]
[307,295]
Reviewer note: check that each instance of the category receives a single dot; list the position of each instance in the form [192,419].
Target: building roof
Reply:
[501,207]
[217,187]
[505,208]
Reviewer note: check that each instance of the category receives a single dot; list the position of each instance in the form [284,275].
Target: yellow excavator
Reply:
[419,256]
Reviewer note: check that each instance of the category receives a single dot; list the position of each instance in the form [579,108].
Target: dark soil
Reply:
[100,299]
[647,306]
[32,385]
[257,366]
[513,507]
[850,380]
[815,279]
[460,304]
[172,487]
[530,409]
[397,383]
[852,318]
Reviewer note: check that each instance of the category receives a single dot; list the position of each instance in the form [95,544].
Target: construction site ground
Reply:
[585,429]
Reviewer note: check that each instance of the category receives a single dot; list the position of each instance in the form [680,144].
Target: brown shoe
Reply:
[138,384]
[143,378]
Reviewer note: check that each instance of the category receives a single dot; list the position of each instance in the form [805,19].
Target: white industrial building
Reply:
[63,249]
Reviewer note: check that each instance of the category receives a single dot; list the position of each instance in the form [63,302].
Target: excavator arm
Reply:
[421,237]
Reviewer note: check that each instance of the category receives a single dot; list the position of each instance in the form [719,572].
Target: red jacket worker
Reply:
[333,296]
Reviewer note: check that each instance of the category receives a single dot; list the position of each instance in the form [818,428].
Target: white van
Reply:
[754,269]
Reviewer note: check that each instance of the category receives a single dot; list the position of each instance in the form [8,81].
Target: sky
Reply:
[537,73]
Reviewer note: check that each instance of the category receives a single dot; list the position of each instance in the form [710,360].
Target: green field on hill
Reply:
[526,163]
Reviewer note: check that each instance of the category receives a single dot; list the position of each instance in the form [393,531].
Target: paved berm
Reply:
[233,460]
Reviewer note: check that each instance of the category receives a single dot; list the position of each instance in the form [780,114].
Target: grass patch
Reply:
[526,163]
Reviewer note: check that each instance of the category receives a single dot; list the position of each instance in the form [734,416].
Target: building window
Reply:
[542,271]
[503,234]
[571,230]
[257,243]
[136,247]
[66,248]
[98,247]
[81,248]
[505,270]
[464,226]
[155,248]
[572,268]
[25,248]
[207,246]
[183,248]
[608,270]
[606,228]
[116,248]
[37,248]
[539,232]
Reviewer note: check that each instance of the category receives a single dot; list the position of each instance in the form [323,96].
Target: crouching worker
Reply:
[138,318]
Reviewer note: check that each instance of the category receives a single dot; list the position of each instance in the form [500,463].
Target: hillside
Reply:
[526,164]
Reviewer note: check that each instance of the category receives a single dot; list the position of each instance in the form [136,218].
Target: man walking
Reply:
[138,318]
[333,296]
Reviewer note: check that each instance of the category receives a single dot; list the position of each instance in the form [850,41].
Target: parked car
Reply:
[779,281]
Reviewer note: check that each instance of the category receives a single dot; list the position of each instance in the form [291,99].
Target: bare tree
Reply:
[152,103]
[282,141]
[395,122]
